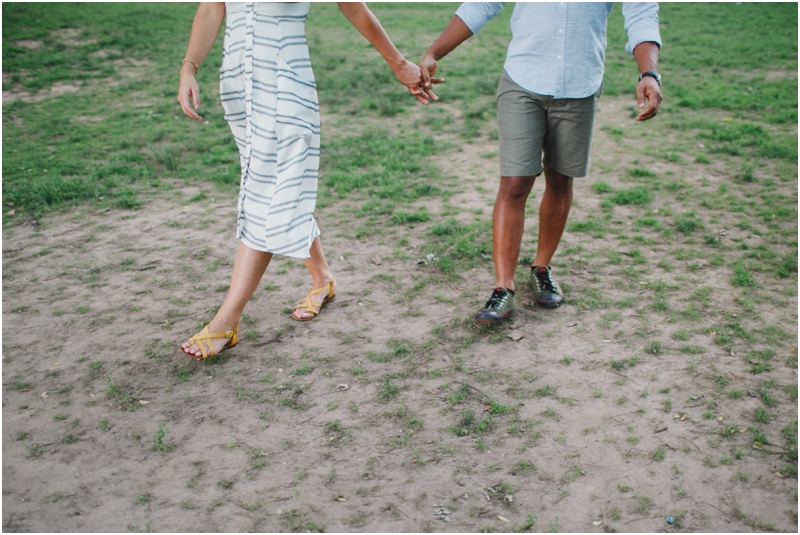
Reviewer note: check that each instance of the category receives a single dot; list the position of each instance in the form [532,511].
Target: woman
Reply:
[270,102]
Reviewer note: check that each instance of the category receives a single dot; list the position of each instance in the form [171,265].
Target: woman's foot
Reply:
[312,304]
[214,338]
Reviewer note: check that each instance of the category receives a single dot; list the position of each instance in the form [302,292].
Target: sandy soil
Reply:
[108,427]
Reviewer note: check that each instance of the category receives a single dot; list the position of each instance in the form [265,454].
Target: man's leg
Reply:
[553,213]
[508,225]
[522,124]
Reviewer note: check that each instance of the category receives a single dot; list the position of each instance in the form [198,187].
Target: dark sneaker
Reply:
[548,293]
[498,308]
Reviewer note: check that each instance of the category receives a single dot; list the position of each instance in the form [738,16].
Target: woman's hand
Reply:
[188,89]
[410,76]
[205,28]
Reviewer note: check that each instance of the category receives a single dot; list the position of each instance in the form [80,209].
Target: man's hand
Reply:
[409,75]
[427,67]
[648,93]
[453,35]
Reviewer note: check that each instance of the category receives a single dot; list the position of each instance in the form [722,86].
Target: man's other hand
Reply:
[648,93]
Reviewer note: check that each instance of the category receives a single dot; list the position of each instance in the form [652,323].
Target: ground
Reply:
[661,396]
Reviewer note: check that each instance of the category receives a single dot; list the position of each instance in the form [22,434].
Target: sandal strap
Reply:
[202,340]
[328,287]
[209,336]
[198,339]
[310,306]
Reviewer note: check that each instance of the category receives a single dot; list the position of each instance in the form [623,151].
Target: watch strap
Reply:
[651,74]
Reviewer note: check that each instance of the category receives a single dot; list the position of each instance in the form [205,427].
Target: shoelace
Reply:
[544,281]
[497,298]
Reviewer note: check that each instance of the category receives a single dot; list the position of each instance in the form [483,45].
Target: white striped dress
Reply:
[270,102]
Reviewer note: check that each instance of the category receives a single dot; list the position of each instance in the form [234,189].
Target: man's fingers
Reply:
[427,69]
[649,95]
[426,75]
[650,112]
[640,96]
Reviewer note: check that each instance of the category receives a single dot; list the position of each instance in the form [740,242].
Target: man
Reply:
[546,102]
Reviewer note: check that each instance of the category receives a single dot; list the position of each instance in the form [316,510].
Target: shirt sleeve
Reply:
[641,23]
[476,14]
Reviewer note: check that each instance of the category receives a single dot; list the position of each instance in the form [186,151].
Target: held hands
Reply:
[427,67]
[188,89]
[409,75]
[649,92]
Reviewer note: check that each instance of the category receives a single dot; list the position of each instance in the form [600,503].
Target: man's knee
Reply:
[557,182]
[516,188]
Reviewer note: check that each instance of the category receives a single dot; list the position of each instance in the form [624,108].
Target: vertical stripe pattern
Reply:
[270,102]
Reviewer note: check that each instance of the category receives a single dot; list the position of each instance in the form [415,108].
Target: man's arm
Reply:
[647,90]
[469,18]
[644,42]
[453,35]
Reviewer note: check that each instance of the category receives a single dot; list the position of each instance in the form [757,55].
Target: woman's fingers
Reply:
[196,99]
[188,95]
[418,92]
[430,94]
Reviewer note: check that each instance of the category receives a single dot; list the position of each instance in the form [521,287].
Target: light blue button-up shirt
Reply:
[558,48]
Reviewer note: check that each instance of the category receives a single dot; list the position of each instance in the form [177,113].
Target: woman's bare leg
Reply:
[248,268]
[320,276]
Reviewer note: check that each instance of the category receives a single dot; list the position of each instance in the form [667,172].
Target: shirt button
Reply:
[559,57]
[560,30]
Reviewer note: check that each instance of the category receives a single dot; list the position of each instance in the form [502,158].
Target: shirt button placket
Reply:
[561,49]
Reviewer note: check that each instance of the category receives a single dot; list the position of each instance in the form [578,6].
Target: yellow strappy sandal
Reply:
[201,339]
[314,308]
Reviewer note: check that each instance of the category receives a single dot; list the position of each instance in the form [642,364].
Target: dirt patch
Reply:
[30,44]
[768,75]
[56,90]
[71,37]
[133,68]
[127,68]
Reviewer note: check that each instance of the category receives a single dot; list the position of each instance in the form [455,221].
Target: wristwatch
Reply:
[653,74]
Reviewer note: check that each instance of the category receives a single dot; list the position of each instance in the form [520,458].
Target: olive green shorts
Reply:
[531,125]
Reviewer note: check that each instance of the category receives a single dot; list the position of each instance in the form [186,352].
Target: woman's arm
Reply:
[367,24]
[205,29]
